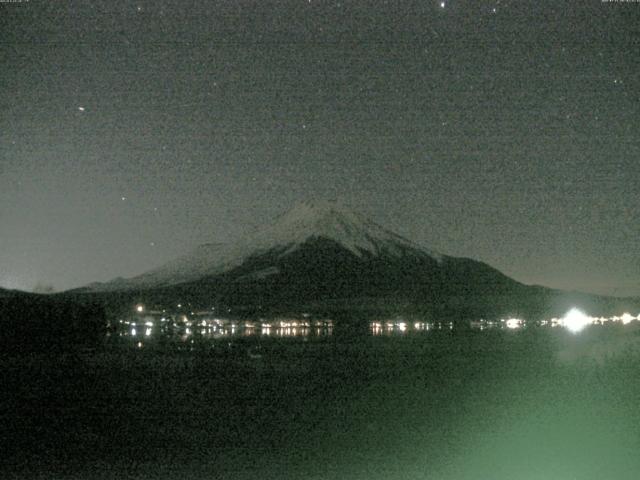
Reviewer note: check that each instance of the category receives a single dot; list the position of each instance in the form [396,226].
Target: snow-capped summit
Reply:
[328,221]
[333,221]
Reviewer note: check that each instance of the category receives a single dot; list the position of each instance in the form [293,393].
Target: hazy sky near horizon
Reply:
[132,131]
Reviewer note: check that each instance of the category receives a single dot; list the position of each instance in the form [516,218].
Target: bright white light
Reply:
[133,332]
[442,4]
[140,308]
[626,318]
[81,109]
[575,320]
[513,323]
[147,332]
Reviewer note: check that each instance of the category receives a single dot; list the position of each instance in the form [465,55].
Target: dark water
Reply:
[446,404]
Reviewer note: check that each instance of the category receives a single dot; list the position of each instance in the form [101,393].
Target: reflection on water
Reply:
[190,330]
[416,397]
[215,329]
[402,327]
[159,325]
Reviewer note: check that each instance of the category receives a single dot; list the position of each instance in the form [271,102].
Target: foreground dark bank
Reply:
[31,323]
[532,404]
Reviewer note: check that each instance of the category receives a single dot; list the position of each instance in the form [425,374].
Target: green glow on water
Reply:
[497,405]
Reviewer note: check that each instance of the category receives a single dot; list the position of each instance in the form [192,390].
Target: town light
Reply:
[513,323]
[575,320]
[627,318]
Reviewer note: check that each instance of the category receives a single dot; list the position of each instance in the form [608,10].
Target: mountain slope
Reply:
[329,221]
[321,269]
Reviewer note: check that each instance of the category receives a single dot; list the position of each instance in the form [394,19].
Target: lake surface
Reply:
[339,403]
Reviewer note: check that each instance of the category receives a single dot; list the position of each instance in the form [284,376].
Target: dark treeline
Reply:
[38,323]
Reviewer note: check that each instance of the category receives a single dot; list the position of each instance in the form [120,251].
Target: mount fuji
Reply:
[314,254]
[305,224]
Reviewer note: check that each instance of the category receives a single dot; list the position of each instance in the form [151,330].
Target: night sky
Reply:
[508,132]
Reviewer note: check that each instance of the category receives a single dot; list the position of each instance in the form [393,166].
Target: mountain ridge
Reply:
[306,221]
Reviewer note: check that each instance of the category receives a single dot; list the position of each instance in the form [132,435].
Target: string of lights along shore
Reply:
[133,131]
